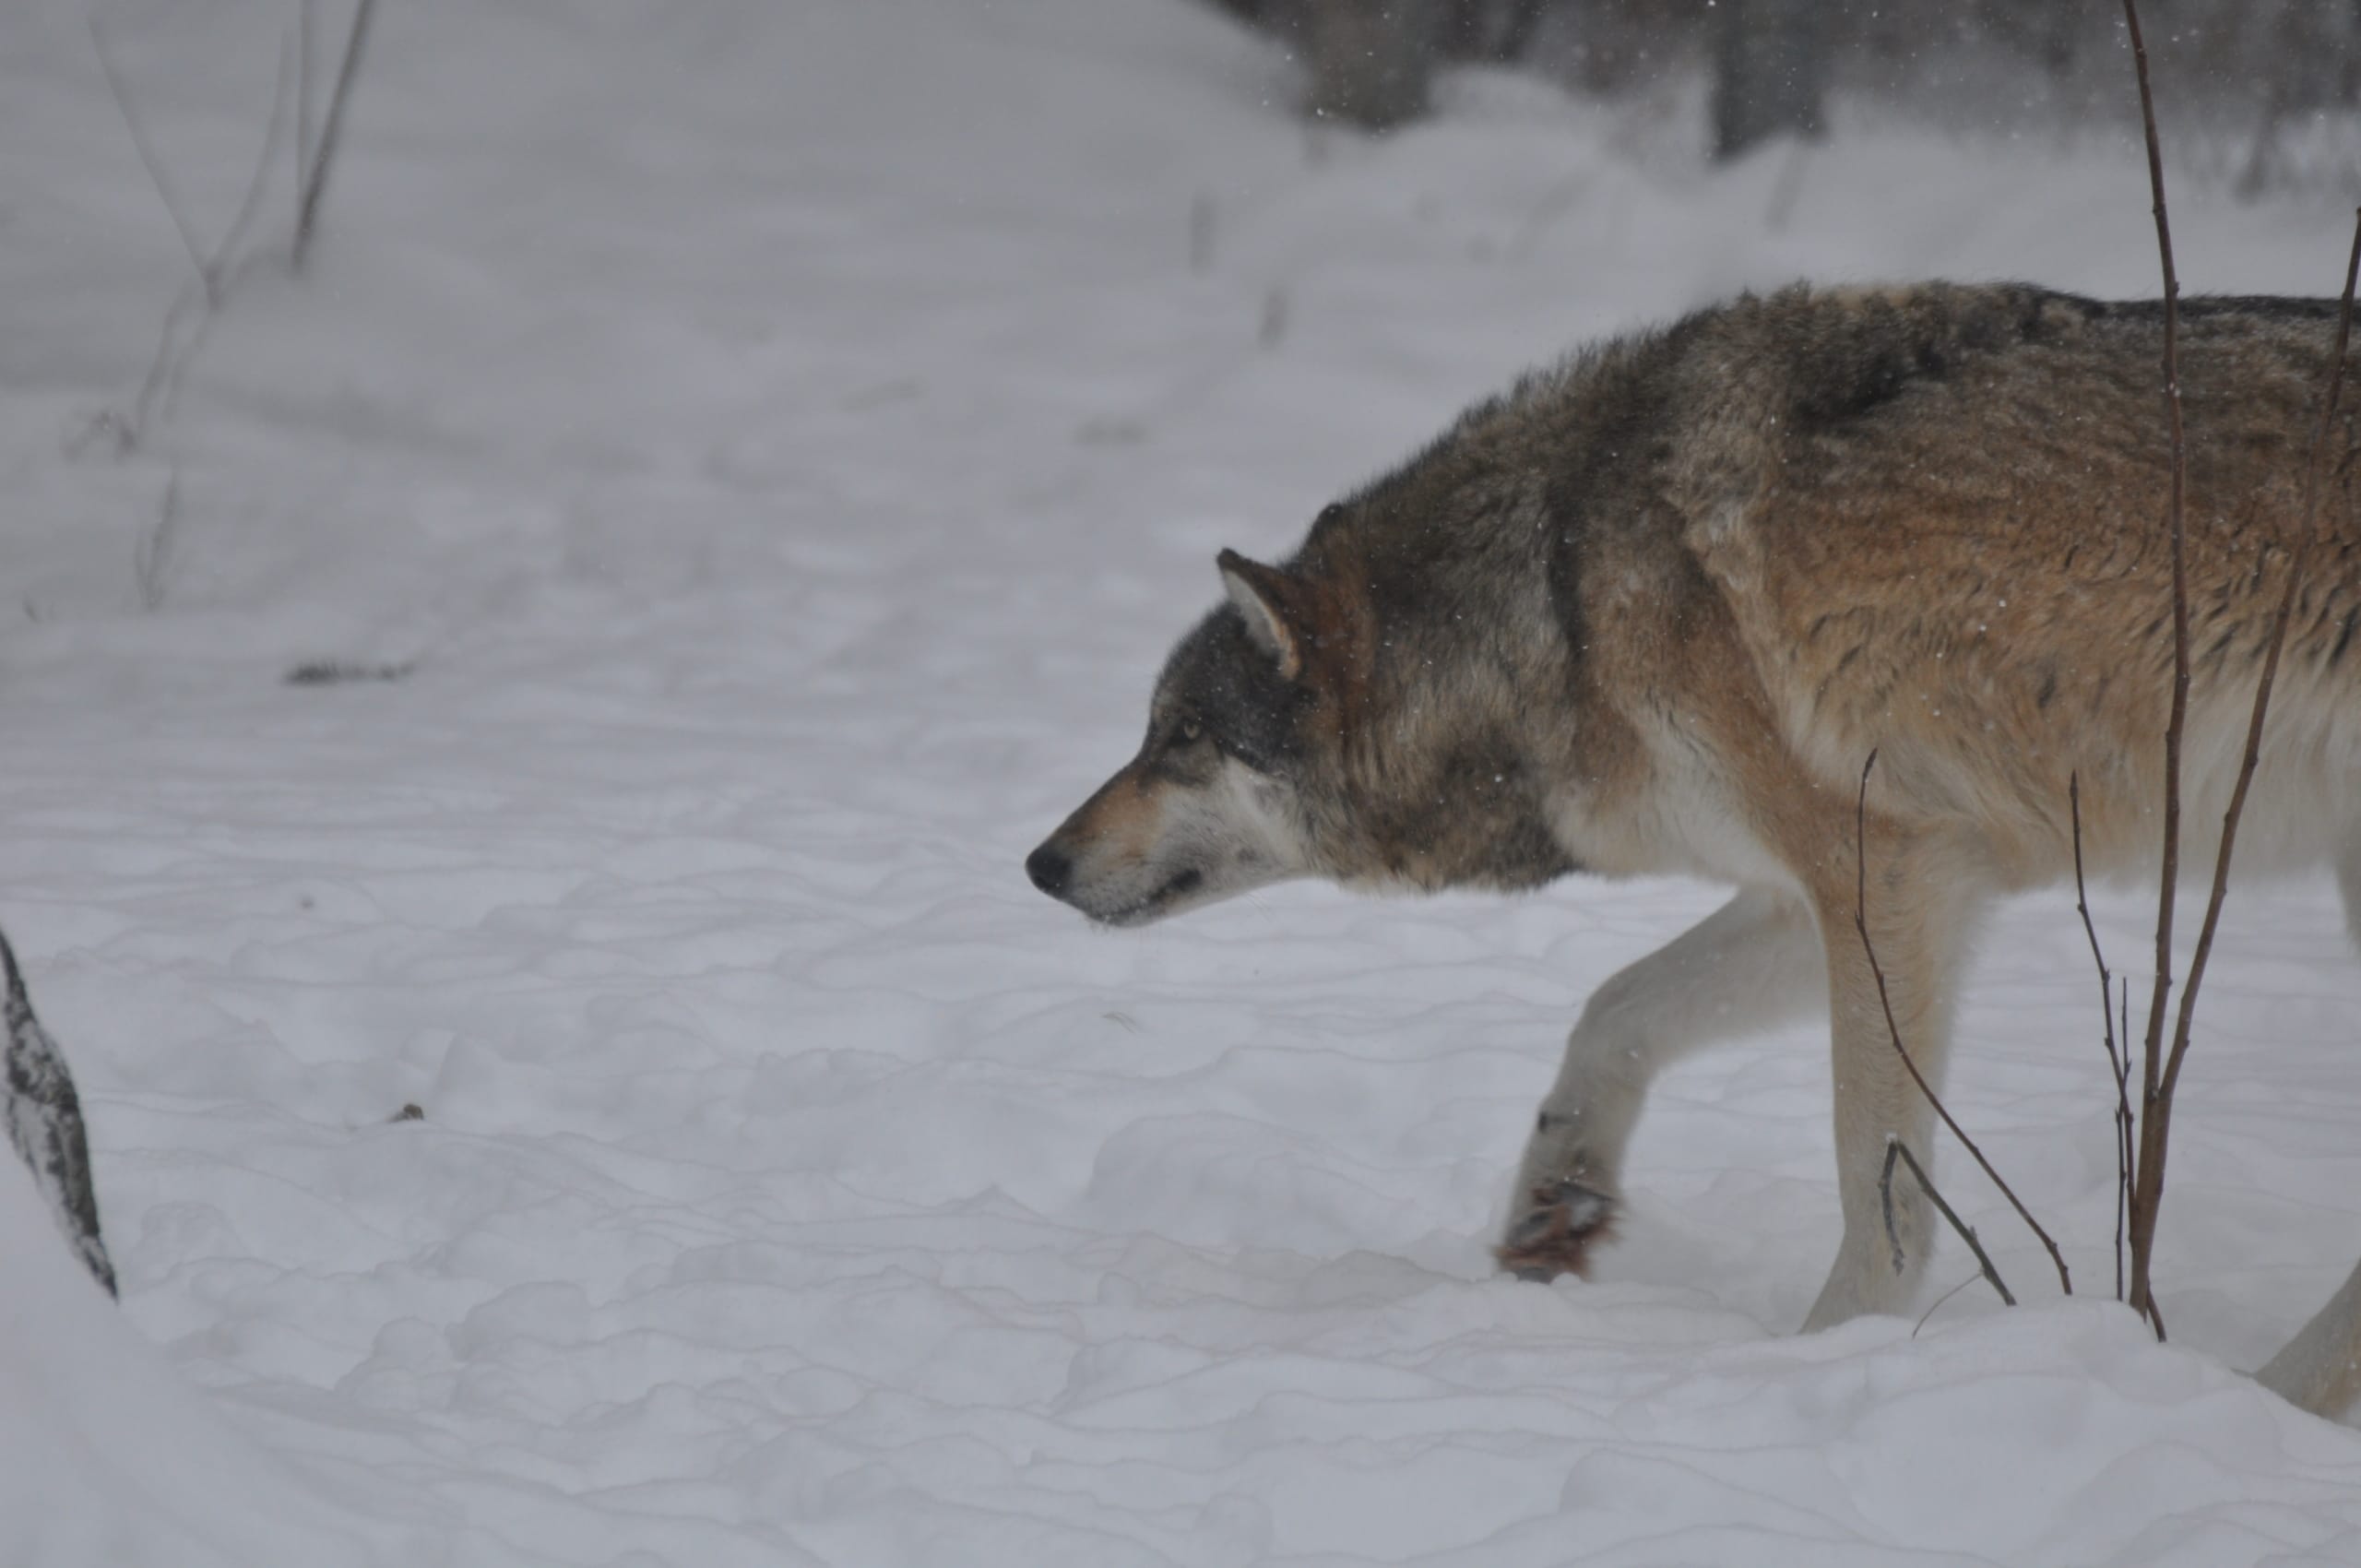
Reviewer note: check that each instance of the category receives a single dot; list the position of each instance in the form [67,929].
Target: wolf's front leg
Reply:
[1754,965]
[1918,939]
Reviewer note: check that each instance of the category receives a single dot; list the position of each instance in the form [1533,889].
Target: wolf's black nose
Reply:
[1050,872]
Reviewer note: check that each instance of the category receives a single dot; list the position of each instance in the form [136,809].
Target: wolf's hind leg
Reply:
[2348,881]
[1752,965]
[2320,1368]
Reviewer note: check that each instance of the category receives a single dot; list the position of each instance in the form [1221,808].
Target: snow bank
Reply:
[106,1454]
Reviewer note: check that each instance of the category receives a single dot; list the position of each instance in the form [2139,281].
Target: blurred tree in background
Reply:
[2265,92]
[1370,61]
[1770,71]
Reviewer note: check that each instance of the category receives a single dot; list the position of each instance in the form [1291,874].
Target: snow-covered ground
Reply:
[784,438]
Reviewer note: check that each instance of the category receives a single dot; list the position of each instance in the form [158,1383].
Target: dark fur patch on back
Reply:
[1851,355]
[2208,307]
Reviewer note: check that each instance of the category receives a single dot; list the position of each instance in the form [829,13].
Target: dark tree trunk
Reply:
[1495,31]
[1523,19]
[1244,10]
[1770,72]
[1369,61]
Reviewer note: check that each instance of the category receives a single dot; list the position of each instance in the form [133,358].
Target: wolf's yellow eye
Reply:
[1191,730]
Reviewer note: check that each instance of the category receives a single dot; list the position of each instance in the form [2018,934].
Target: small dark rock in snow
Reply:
[337,672]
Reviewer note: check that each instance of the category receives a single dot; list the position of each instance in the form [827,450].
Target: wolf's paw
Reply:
[1554,1235]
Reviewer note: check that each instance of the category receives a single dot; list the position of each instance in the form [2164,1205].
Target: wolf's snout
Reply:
[1050,872]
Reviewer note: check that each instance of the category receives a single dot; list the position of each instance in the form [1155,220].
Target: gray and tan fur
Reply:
[1651,610]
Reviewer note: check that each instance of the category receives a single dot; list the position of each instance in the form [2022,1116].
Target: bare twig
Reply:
[2117,1067]
[2123,1128]
[1895,1148]
[316,178]
[168,347]
[273,130]
[1893,1029]
[174,352]
[163,385]
[305,14]
[2149,1173]
[175,346]
[1940,1302]
[152,557]
[156,172]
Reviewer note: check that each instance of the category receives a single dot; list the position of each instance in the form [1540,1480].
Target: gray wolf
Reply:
[1650,612]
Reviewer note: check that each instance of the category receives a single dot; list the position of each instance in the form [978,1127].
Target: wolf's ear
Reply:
[1261,594]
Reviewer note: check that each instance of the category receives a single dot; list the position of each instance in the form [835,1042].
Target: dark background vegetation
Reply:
[2262,90]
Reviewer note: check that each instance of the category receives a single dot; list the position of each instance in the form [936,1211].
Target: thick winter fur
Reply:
[1651,610]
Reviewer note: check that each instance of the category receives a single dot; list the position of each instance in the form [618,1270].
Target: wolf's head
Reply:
[1240,740]
[1308,727]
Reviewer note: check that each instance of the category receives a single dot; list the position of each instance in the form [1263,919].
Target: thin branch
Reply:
[1940,1302]
[2148,1184]
[2117,1068]
[2123,1133]
[134,430]
[216,280]
[146,150]
[175,369]
[305,12]
[1893,1029]
[165,382]
[273,130]
[1896,1148]
[315,180]
[173,351]
[152,557]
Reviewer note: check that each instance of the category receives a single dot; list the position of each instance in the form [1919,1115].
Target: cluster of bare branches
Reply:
[2143,1129]
[219,268]
[2161,1064]
[315,156]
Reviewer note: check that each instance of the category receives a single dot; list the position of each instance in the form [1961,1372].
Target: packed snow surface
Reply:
[780,441]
